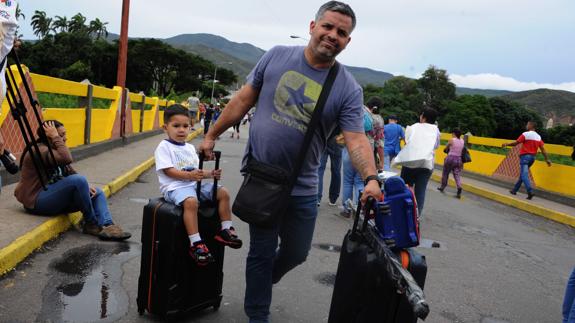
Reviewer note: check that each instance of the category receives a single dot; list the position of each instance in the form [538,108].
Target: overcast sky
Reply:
[496,44]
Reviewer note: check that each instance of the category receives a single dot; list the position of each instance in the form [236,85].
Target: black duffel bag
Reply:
[264,194]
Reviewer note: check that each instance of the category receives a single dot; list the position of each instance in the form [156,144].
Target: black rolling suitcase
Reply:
[170,282]
[372,283]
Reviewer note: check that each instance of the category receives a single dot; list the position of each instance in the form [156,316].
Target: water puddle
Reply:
[326,278]
[328,247]
[85,284]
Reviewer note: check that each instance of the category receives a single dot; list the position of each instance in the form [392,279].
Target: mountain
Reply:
[555,104]
[487,93]
[243,51]
[244,56]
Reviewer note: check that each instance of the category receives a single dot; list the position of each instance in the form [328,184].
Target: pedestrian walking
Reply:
[334,152]
[393,135]
[208,115]
[453,162]
[352,180]
[421,139]
[377,131]
[286,84]
[531,142]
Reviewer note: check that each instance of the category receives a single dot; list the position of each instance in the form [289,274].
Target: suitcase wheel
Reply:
[217,304]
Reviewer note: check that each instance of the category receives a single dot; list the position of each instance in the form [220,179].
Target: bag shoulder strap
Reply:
[315,119]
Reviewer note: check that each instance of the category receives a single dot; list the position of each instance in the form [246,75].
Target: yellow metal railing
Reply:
[95,125]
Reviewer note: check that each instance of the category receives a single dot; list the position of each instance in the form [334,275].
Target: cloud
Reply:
[498,82]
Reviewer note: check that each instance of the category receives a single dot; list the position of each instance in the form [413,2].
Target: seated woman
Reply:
[67,191]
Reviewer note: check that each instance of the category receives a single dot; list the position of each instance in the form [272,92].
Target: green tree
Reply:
[41,24]
[469,113]
[401,97]
[561,135]
[60,24]
[77,24]
[98,28]
[437,89]
[511,118]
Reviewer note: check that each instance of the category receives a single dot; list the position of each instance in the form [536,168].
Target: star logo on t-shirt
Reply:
[297,97]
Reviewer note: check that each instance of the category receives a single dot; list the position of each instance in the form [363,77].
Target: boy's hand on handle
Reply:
[371,189]
[217,174]
[50,130]
[196,175]
[207,148]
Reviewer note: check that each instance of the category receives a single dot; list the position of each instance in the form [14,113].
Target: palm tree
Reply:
[41,24]
[77,23]
[60,23]
[19,16]
[99,28]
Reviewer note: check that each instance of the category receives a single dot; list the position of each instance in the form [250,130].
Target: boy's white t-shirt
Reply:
[178,156]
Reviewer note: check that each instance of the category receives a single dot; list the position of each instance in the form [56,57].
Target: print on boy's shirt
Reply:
[295,99]
[183,158]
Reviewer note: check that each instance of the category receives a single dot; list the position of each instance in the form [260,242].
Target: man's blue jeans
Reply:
[333,151]
[525,161]
[569,300]
[266,263]
[71,194]
[352,182]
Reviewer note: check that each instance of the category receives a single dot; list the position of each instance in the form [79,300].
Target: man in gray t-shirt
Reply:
[285,86]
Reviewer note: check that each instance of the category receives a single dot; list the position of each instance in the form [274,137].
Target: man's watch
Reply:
[372,178]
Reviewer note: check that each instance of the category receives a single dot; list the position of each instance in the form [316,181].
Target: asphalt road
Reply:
[494,264]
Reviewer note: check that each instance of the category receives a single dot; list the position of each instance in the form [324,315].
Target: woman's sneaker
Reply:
[228,237]
[200,253]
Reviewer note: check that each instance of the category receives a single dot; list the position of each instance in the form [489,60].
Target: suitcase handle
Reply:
[370,205]
[218,155]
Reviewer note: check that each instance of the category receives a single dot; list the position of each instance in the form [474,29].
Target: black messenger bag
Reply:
[264,195]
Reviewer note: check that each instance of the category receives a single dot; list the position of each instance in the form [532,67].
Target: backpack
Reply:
[400,227]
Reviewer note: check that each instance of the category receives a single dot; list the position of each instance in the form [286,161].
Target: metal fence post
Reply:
[142,108]
[88,123]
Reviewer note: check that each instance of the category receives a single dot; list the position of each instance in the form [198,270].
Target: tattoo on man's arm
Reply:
[360,163]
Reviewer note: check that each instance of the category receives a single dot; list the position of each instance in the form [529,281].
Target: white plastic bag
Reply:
[419,151]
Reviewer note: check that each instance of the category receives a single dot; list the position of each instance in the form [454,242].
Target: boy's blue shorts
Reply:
[178,195]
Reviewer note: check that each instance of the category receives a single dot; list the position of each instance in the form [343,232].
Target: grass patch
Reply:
[63,101]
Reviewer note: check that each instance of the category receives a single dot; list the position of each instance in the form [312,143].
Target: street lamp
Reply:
[214,81]
[298,37]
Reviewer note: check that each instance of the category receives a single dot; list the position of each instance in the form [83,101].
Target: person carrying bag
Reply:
[263,197]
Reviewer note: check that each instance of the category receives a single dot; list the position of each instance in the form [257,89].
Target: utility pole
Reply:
[123,62]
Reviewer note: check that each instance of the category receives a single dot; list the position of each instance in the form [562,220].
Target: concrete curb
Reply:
[514,202]
[22,247]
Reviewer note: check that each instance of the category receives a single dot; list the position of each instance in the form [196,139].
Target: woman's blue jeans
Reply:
[352,182]
[72,194]
[569,300]
[267,264]
[418,179]
[525,162]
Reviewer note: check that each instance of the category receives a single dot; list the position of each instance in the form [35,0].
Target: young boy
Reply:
[178,173]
